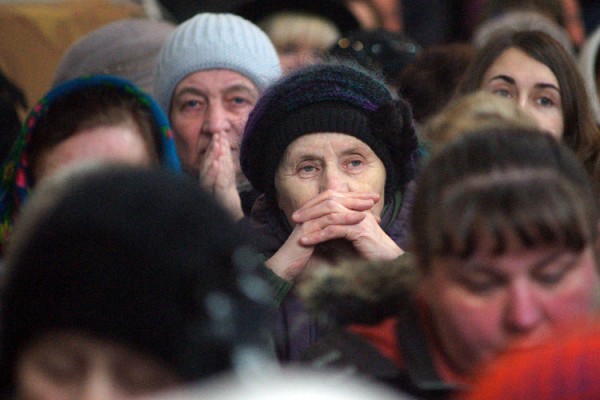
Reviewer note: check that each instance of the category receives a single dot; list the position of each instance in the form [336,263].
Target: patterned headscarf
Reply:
[16,180]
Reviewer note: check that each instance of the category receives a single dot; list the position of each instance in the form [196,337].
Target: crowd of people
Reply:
[300,199]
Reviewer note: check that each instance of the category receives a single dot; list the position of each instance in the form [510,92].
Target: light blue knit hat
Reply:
[211,41]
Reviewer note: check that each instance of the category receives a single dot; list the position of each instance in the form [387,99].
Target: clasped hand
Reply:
[333,215]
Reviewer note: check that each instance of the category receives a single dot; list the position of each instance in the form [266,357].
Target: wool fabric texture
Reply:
[137,256]
[127,48]
[335,98]
[215,41]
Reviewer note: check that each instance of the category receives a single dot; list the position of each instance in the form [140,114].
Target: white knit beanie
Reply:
[588,57]
[215,41]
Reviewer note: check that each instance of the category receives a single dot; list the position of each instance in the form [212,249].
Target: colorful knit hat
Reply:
[329,98]
[16,180]
[215,41]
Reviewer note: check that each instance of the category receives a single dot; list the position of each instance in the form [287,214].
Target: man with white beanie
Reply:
[209,75]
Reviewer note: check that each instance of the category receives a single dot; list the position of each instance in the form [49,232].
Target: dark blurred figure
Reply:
[12,100]
[428,21]
[381,50]
[590,12]
[429,81]
[122,282]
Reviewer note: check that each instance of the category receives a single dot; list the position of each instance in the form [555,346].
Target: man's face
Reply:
[209,102]
[489,303]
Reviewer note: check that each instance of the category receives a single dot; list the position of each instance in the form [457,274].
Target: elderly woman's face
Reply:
[317,162]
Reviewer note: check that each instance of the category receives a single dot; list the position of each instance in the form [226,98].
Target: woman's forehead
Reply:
[317,141]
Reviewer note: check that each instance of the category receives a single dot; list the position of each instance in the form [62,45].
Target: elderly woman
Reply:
[333,154]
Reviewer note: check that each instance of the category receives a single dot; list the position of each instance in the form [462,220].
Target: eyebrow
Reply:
[241,88]
[505,78]
[231,89]
[190,90]
[350,151]
[511,81]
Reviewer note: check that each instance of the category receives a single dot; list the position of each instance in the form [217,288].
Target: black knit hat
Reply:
[337,98]
[143,258]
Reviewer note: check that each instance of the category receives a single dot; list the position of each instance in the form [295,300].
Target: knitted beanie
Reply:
[329,98]
[139,257]
[215,41]
[127,48]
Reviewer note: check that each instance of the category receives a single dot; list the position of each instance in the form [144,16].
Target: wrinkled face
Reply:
[531,84]
[488,304]
[73,365]
[120,144]
[317,162]
[209,102]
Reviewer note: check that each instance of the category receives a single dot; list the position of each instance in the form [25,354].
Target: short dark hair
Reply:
[502,183]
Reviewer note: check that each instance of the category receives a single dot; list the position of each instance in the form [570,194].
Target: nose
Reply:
[334,179]
[526,105]
[523,313]
[98,385]
[216,119]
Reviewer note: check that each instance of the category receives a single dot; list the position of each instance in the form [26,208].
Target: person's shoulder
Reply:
[357,349]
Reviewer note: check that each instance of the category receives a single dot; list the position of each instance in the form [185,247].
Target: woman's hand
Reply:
[333,215]
[367,236]
[218,176]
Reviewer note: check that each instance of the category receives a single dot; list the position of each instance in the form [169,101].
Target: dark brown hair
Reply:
[500,184]
[89,108]
[580,131]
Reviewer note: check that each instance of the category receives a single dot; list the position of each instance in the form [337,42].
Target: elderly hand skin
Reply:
[333,215]
[218,176]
